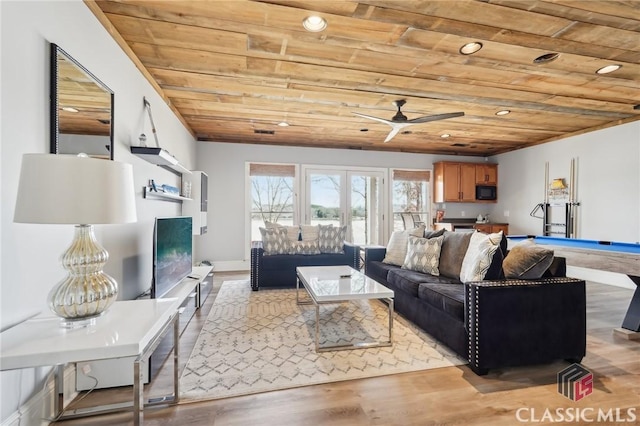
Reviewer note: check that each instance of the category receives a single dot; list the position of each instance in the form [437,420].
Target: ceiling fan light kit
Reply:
[400,121]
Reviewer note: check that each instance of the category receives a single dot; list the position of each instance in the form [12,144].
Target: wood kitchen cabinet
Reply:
[492,228]
[486,174]
[454,182]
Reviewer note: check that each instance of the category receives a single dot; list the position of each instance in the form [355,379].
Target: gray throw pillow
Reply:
[331,239]
[454,248]
[423,255]
[274,241]
[527,260]
[433,234]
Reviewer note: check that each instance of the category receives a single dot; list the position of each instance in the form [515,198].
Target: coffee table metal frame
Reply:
[340,273]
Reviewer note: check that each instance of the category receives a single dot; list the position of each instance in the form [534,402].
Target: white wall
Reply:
[608,183]
[29,264]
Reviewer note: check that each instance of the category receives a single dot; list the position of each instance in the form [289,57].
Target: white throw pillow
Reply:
[479,255]
[423,254]
[397,245]
[293,232]
[310,232]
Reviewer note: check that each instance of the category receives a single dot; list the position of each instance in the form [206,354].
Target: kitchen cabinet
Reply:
[492,228]
[486,174]
[454,182]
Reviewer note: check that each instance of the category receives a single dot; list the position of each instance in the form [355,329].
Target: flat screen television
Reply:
[172,253]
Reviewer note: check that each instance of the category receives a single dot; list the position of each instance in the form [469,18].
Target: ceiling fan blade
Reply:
[392,133]
[435,117]
[382,120]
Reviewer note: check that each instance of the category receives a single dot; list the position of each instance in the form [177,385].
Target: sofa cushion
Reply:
[331,239]
[527,260]
[397,245]
[406,280]
[446,297]
[274,241]
[454,247]
[479,256]
[304,247]
[423,254]
[379,270]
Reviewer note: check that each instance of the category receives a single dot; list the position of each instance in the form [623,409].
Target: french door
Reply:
[346,197]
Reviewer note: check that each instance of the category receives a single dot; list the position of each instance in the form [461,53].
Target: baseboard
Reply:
[39,409]
[604,277]
[231,266]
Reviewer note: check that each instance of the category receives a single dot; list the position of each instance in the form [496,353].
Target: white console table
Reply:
[128,329]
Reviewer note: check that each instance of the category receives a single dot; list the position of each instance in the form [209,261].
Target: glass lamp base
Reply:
[78,323]
[86,292]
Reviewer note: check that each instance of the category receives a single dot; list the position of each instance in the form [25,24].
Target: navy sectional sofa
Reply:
[493,323]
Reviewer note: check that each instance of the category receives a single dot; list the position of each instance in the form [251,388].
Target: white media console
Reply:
[191,294]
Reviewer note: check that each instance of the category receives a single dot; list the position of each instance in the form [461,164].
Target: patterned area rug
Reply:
[262,341]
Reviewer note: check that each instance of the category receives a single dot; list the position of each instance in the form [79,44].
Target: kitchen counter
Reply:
[465,224]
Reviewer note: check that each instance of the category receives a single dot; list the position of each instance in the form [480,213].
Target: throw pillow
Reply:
[423,254]
[293,232]
[304,247]
[397,245]
[527,260]
[274,241]
[310,232]
[479,255]
[332,238]
[433,234]
[454,247]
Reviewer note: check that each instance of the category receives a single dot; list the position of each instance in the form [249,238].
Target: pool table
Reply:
[603,255]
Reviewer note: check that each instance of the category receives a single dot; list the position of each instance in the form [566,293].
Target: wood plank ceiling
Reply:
[233,70]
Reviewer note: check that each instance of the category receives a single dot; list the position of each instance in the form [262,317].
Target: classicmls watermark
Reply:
[576,382]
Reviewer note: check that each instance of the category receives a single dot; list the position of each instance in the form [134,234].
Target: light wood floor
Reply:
[446,396]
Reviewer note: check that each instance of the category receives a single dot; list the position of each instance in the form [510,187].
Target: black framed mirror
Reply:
[81,109]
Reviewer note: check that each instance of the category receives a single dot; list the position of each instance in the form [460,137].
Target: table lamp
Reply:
[65,189]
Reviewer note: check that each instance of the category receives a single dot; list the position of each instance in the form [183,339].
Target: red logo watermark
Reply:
[575,382]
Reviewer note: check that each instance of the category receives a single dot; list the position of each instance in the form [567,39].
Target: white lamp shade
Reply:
[66,189]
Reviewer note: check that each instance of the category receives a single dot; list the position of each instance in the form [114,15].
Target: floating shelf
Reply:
[165,196]
[160,157]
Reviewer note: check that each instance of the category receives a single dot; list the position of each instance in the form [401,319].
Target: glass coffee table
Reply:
[337,284]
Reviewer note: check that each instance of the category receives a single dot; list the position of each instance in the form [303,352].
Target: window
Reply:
[410,198]
[273,195]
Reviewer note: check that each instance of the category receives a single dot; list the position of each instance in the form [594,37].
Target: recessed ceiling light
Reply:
[503,112]
[608,69]
[471,48]
[314,23]
[547,57]
[69,109]
[283,124]
[445,135]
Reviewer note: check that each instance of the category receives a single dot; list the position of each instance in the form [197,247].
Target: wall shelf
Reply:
[160,157]
[149,193]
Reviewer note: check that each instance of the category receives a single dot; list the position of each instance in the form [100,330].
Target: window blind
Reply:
[283,170]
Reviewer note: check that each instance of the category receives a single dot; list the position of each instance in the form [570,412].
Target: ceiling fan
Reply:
[400,121]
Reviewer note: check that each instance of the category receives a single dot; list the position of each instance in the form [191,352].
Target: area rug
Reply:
[262,341]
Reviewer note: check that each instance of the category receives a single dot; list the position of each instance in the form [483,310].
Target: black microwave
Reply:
[486,192]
